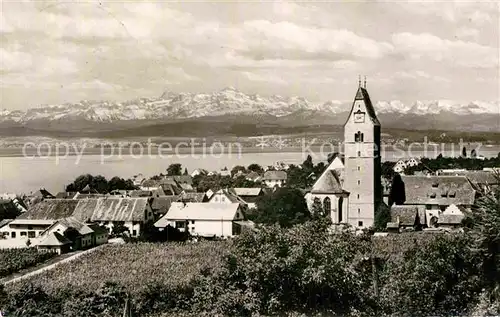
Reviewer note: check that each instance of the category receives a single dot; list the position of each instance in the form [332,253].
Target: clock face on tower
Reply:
[359,117]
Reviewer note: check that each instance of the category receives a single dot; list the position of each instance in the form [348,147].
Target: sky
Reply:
[55,52]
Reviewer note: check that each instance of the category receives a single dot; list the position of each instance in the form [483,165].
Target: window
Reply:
[134,232]
[442,207]
[192,229]
[428,207]
[31,234]
[192,222]
[13,234]
[359,153]
[360,223]
[23,233]
[180,224]
[327,205]
[359,182]
[358,196]
[359,168]
[357,136]
[362,137]
[359,210]
[435,185]
[433,195]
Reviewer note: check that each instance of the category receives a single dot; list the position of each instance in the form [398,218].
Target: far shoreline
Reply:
[433,150]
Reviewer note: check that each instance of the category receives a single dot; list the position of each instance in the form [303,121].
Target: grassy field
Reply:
[133,266]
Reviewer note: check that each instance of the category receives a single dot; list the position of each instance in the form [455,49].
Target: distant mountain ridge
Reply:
[174,107]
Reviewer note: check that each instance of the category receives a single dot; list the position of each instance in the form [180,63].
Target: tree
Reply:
[255,168]
[308,163]
[100,184]
[464,152]
[317,208]
[119,228]
[117,183]
[238,168]
[382,217]
[285,207]
[397,195]
[485,228]
[174,169]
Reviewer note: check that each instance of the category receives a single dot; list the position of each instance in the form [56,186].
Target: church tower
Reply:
[362,178]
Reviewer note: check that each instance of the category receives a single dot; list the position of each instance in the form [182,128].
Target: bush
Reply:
[439,277]
[298,269]
[14,260]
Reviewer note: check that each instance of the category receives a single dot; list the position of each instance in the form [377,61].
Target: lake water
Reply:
[24,174]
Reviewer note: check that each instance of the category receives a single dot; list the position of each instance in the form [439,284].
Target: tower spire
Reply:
[365,82]
[359,80]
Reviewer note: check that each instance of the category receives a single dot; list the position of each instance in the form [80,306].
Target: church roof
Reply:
[362,94]
[328,183]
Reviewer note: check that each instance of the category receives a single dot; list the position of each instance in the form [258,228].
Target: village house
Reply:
[249,195]
[227,196]
[38,218]
[274,178]
[253,177]
[55,242]
[199,171]
[160,205]
[408,216]
[480,180]
[38,196]
[400,166]
[162,187]
[132,213]
[437,193]
[138,179]
[204,219]
[89,235]
[24,228]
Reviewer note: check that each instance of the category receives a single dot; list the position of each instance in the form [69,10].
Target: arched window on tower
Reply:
[327,205]
[357,136]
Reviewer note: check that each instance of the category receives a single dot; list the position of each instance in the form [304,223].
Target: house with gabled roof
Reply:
[161,204]
[38,218]
[89,235]
[249,195]
[408,216]
[55,242]
[227,196]
[274,178]
[133,213]
[204,219]
[437,193]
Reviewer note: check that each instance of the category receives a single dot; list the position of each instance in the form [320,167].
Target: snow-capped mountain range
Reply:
[228,101]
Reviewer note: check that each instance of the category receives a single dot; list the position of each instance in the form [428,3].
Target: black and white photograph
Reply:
[249,158]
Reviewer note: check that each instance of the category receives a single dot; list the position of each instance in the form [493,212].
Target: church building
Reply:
[350,190]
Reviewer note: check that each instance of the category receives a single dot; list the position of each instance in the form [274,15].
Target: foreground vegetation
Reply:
[303,269]
[14,260]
